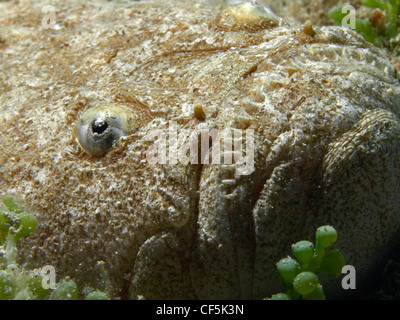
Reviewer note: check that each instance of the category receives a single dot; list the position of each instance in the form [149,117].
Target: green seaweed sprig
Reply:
[17,283]
[299,276]
[382,28]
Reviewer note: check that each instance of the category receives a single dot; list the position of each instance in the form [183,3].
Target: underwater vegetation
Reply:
[382,28]
[16,283]
[299,276]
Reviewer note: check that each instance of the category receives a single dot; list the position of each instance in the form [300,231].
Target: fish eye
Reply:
[100,127]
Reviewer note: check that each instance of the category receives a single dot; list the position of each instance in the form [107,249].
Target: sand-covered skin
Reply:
[324,109]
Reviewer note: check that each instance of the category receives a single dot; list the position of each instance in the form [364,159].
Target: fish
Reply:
[177,149]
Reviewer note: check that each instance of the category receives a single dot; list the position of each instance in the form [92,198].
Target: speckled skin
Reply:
[324,109]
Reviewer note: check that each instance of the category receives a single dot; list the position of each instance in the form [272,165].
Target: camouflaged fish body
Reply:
[324,109]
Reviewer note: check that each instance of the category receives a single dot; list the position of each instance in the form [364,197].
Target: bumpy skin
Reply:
[324,109]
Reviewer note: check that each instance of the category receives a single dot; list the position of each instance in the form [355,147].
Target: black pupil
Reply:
[99,126]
